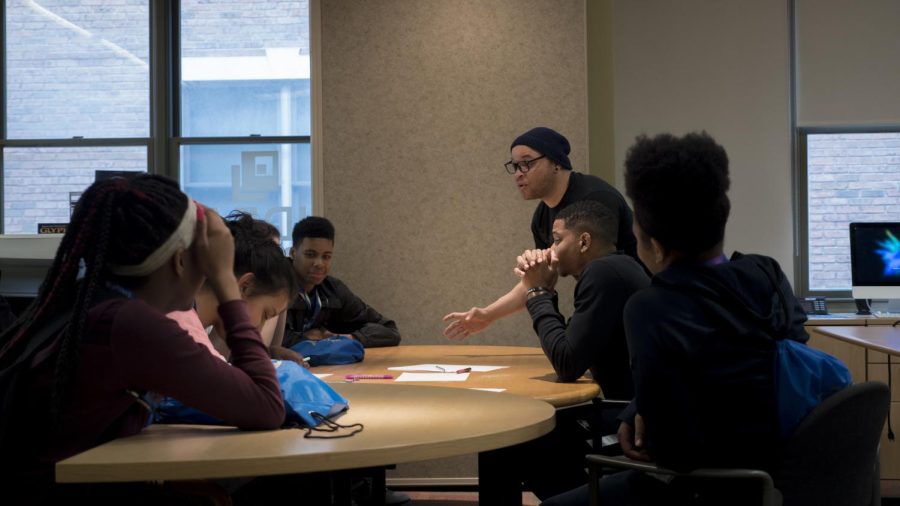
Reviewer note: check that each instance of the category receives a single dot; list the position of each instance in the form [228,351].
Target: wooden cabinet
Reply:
[869,365]
[890,450]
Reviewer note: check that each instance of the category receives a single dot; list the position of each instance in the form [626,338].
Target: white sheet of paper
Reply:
[447,367]
[433,376]
[498,390]
[322,376]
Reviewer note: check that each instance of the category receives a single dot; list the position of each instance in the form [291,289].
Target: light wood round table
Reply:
[403,423]
[529,372]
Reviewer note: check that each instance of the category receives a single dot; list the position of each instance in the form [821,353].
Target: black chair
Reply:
[832,457]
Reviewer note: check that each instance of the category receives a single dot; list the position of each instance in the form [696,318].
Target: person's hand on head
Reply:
[631,439]
[464,324]
[214,250]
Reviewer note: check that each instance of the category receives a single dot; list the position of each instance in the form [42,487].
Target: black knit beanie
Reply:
[547,142]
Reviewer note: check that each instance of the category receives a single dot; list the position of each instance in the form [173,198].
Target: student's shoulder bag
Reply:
[309,403]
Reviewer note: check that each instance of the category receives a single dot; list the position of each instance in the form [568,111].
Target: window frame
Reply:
[165,140]
[802,218]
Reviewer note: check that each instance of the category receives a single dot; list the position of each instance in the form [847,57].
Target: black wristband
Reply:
[537,290]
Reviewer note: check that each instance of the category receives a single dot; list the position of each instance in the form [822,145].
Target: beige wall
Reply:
[421,101]
[720,66]
[601,114]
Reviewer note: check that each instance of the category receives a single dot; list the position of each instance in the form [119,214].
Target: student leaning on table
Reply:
[702,355]
[144,249]
[324,305]
[265,278]
[593,338]
[539,163]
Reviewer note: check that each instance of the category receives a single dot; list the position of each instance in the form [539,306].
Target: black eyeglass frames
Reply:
[524,165]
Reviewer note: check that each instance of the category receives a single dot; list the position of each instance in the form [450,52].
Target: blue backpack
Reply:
[804,377]
[335,350]
[308,401]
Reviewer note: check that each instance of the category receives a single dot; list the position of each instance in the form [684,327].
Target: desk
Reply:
[866,351]
[529,373]
[843,319]
[403,423]
[851,319]
[882,338]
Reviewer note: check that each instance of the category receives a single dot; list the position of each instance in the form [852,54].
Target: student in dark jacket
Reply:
[702,355]
[325,306]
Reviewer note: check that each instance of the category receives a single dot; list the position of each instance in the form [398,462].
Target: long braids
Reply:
[68,358]
[58,288]
[119,221]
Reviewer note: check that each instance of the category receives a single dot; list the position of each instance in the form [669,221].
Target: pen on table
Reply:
[354,377]
[458,371]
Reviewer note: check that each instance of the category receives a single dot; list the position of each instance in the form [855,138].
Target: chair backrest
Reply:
[831,457]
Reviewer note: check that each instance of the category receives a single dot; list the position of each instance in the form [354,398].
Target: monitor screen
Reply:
[875,260]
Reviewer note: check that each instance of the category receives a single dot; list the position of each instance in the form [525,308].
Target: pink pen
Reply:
[354,377]
[467,369]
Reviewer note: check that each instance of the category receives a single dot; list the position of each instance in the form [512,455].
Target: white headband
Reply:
[181,238]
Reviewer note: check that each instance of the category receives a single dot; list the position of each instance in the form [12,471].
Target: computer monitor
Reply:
[875,260]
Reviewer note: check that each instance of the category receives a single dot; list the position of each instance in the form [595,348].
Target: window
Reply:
[95,88]
[270,181]
[77,101]
[42,184]
[848,175]
[245,108]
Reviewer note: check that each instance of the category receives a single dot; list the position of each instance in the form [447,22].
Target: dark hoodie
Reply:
[702,358]
[342,313]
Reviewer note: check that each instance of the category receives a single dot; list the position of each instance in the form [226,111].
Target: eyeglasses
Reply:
[524,165]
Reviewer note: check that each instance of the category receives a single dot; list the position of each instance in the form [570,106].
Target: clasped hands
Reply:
[537,268]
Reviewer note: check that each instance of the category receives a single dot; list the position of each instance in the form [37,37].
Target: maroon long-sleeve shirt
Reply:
[130,346]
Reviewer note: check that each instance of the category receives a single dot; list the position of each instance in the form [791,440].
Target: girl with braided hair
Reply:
[135,249]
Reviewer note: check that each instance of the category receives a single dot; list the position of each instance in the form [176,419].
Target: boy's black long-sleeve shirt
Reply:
[702,352]
[594,337]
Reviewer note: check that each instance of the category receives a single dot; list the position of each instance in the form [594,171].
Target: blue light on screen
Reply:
[890,254]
